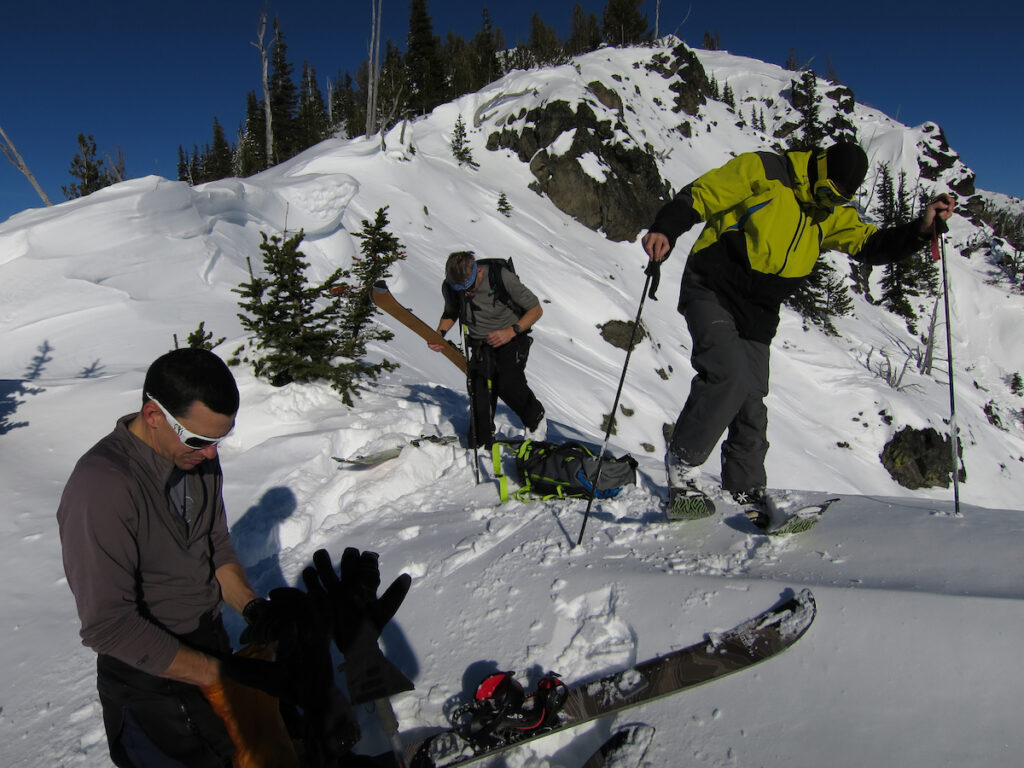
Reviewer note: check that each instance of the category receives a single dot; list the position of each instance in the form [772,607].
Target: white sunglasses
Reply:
[189,438]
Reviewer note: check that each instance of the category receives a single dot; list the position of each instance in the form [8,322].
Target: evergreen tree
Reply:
[484,49]
[728,97]
[760,125]
[544,43]
[504,206]
[217,164]
[424,68]
[195,166]
[822,296]
[460,147]
[293,323]
[251,152]
[899,281]
[183,174]
[712,42]
[303,333]
[584,32]
[807,101]
[458,67]
[88,169]
[623,23]
[200,338]
[311,120]
[713,90]
[348,108]
[283,100]
[378,251]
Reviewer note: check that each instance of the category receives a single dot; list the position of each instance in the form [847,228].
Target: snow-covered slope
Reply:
[917,606]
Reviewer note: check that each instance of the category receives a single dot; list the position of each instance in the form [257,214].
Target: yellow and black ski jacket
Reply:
[763,233]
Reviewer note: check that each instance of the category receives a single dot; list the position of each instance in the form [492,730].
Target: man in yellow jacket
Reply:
[767,218]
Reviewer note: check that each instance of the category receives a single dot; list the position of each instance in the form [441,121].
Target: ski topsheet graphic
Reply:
[383,298]
[720,654]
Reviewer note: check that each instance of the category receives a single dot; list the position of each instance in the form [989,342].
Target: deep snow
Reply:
[911,659]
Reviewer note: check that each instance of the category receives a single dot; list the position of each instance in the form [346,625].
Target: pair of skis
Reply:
[755,640]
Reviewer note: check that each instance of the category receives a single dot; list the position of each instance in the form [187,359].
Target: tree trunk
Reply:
[12,154]
[373,71]
[264,61]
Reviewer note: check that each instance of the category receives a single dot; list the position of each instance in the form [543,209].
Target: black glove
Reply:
[653,271]
[357,617]
[301,672]
[266,676]
[263,621]
[351,601]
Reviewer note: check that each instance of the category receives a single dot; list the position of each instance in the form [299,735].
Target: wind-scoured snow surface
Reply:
[911,660]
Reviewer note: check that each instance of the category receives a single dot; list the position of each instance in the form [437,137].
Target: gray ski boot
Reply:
[686,501]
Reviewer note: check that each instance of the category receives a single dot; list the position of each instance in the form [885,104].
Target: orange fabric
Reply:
[253,720]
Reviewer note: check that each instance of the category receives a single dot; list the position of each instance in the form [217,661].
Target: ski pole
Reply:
[472,405]
[615,407]
[954,435]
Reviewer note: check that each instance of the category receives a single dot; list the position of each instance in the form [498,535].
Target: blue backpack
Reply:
[562,470]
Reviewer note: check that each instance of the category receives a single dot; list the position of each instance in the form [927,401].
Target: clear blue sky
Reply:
[147,76]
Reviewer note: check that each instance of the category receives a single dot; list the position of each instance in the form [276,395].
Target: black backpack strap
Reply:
[497,285]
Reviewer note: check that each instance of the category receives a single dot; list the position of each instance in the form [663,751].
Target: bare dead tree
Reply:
[265,63]
[116,170]
[12,154]
[373,73]
[392,113]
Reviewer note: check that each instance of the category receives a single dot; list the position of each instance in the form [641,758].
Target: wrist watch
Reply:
[516,328]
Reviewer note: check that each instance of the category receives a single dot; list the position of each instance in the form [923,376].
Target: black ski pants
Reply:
[152,722]
[727,394]
[499,373]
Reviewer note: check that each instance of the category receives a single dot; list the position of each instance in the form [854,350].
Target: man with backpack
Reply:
[496,312]
[767,218]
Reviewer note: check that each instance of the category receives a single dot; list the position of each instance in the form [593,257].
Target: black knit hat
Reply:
[847,165]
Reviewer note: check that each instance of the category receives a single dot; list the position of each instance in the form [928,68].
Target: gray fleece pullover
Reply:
[139,573]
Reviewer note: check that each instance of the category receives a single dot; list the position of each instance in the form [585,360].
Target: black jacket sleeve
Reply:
[892,244]
[677,217]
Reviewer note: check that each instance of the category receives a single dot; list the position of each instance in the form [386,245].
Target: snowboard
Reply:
[383,298]
[379,457]
[755,640]
[787,512]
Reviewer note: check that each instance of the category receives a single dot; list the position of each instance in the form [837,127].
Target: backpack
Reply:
[497,286]
[566,470]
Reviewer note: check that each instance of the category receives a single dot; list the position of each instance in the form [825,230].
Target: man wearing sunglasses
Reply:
[496,312]
[149,559]
[767,218]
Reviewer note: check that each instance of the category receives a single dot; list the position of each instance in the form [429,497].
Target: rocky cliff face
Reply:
[587,165]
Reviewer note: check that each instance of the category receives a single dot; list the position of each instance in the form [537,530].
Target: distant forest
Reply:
[293,114]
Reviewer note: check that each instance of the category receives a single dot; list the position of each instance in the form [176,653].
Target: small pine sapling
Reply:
[200,338]
[460,145]
[504,206]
